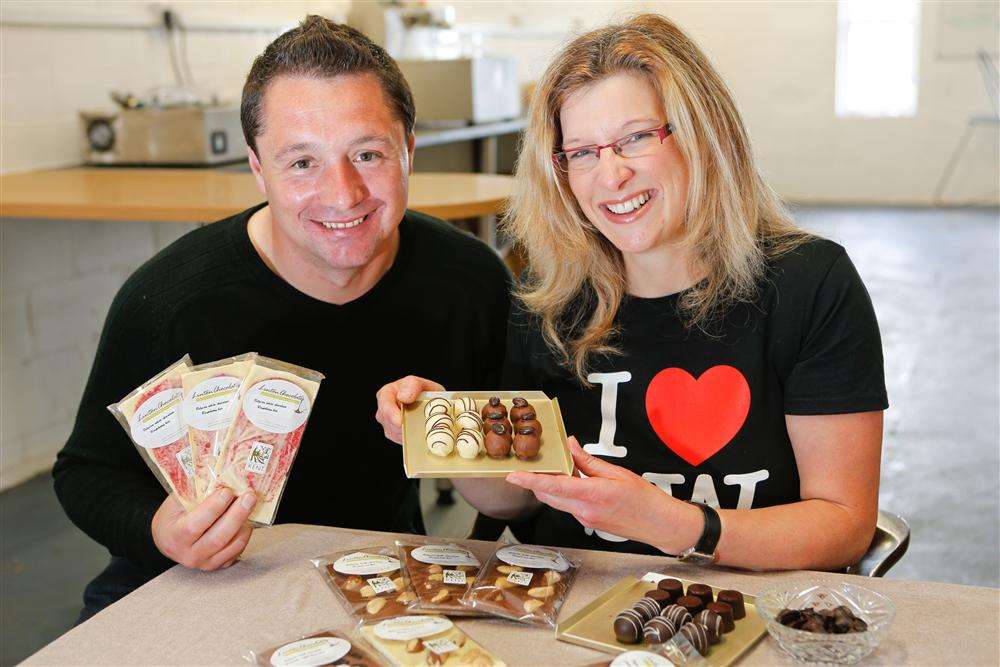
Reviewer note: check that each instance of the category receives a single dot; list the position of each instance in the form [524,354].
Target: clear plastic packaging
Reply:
[272,407]
[369,581]
[327,647]
[409,641]
[210,392]
[675,651]
[151,415]
[441,572]
[523,583]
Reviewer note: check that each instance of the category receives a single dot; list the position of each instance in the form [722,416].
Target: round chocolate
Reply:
[725,612]
[677,615]
[647,608]
[701,591]
[692,604]
[628,627]
[526,445]
[494,409]
[735,600]
[657,630]
[469,419]
[662,597]
[488,424]
[438,419]
[712,623]
[672,586]
[437,406]
[520,410]
[497,441]
[697,635]
[464,403]
[469,443]
[530,423]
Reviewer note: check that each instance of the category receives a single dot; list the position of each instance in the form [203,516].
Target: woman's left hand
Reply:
[615,500]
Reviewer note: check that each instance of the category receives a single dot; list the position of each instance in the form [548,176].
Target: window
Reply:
[877,46]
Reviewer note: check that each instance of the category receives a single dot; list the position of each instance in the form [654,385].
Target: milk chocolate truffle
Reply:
[521,410]
[526,443]
[657,630]
[712,623]
[647,608]
[628,627]
[701,591]
[497,441]
[437,406]
[697,635]
[692,604]
[469,419]
[463,404]
[530,423]
[469,443]
[662,597]
[494,410]
[735,600]
[672,586]
[677,615]
[725,612]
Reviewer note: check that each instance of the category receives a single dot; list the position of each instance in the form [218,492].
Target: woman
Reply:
[703,347]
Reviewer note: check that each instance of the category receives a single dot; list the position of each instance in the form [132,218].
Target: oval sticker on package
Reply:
[311,652]
[157,422]
[444,554]
[207,406]
[404,628]
[534,557]
[640,659]
[361,563]
[277,406]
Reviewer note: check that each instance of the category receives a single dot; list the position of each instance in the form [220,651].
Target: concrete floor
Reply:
[933,275]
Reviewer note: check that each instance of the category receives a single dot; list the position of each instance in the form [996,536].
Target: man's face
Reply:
[334,163]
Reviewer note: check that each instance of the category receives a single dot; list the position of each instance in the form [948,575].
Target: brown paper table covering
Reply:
[274,595]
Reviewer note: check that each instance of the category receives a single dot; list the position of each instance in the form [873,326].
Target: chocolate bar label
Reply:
[208,406]
[363,563]
[381,584]
[157,422]
[277,406]
[404,628]
[520,578]
[309,652]
[444,554]
[533,557]
[454,577]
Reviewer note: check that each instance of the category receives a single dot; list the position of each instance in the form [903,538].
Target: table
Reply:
[206,195]
[275,595]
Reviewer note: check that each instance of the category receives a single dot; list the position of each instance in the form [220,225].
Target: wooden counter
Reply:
[206,195]
[275,595]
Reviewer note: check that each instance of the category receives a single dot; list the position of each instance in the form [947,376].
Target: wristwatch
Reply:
[704,551]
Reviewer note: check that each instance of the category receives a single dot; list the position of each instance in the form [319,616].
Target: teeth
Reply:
[343,225]
[630,205]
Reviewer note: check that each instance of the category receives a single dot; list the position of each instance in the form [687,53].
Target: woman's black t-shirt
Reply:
[702,415]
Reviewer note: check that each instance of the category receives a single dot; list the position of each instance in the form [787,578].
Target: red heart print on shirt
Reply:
[697,418]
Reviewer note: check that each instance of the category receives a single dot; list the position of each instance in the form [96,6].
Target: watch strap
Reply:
[712,531]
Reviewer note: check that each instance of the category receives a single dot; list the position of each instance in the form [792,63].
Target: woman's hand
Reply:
[209,537]
[612,499]
[394,394]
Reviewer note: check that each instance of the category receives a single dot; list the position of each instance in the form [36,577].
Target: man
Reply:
[331,273]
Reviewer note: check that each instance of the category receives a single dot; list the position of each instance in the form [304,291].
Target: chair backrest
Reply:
[891,539]
[990,79]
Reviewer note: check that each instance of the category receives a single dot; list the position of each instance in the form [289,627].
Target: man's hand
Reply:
[389,398]
[209,537]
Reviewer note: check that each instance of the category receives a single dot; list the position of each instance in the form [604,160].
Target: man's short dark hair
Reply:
[321,48]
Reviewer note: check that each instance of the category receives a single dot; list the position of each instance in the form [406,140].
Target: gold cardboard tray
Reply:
[553,456]
[592,625]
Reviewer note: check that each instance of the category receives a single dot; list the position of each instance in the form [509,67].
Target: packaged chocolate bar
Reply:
[369,581]
[409,641]
[272,407]
[328,647]
[524,583]
[210,392]
[151,415]
[675,651]
[441,571]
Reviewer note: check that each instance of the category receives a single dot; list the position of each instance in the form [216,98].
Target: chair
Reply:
[892,537]
[992,83]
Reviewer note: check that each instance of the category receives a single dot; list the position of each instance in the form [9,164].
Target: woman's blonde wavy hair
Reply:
[733,221]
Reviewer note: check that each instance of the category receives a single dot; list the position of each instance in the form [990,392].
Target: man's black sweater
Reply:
[439,312]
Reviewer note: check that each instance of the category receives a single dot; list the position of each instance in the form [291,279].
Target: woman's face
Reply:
[650,190]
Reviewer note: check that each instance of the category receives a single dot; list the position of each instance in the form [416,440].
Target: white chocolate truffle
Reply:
[464,404]
[469,443]
[440,442]
[439,420]
[437,406]
[470,420]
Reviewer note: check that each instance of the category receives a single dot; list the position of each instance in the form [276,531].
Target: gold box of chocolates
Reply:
[483,434]
[594,626]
